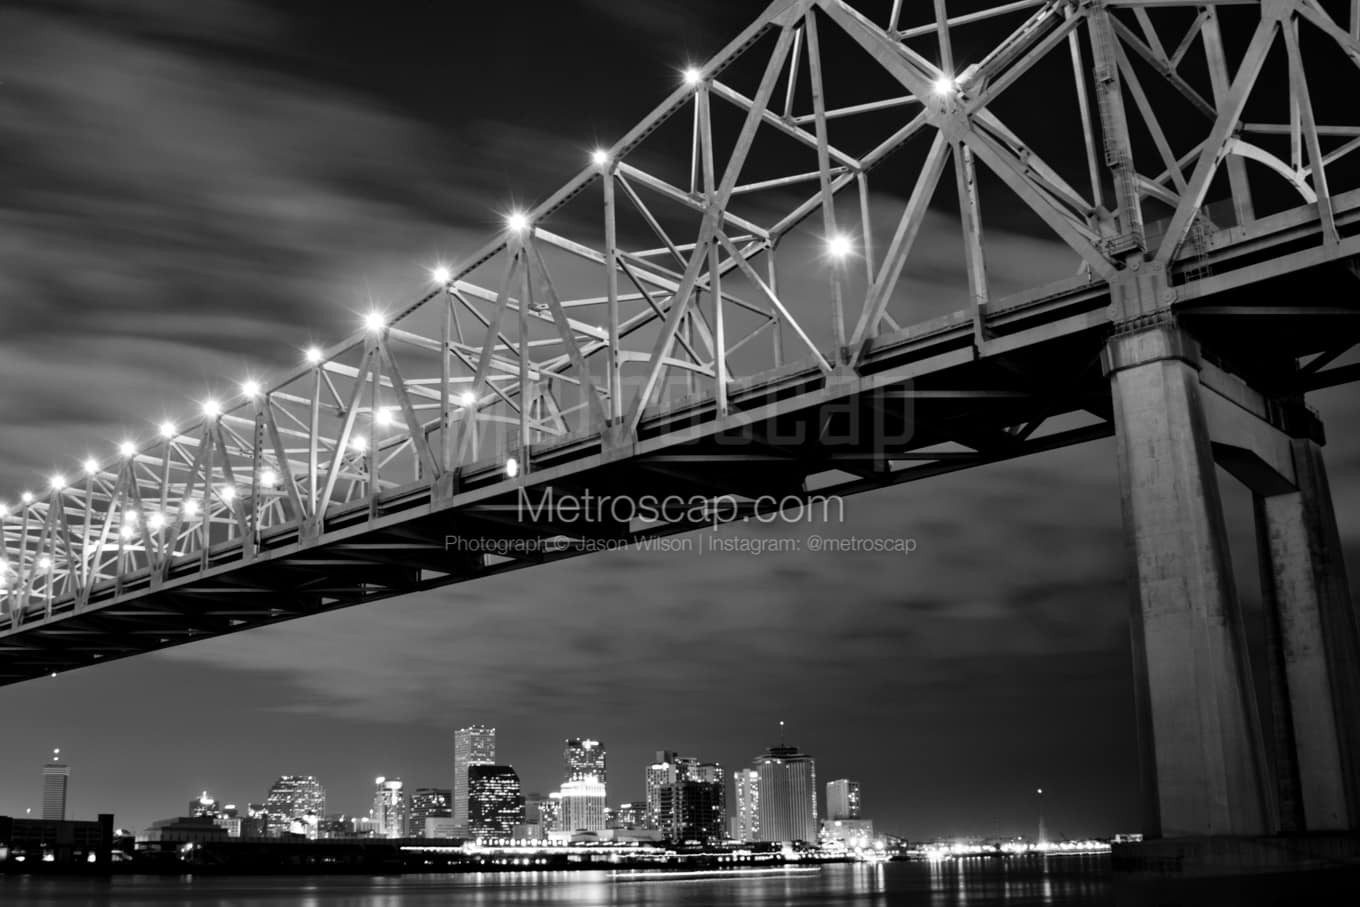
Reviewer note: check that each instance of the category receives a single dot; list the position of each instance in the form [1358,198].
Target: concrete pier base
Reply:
[1314,629]
[1199,731]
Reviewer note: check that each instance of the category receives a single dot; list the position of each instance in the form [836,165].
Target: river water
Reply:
[1065,882]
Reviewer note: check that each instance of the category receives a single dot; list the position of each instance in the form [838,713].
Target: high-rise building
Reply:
[293,797]
[203,805]
[582,806]
[631,816]
[658,774]
[427,803]
[583,758]
[56,776]
[389,809]
[472,745]
[746,786]
[550,812]
[788,795]
[842,799]
[686,798]
[495,801]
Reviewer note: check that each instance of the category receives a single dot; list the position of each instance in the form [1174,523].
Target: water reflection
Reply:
[974,882]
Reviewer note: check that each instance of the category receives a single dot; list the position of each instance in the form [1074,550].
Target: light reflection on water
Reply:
[1062,882]
[948,884]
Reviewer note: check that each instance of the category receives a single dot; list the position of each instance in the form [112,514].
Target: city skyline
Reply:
[331,179]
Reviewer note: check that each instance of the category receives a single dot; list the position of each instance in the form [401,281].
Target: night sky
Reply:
[191,191]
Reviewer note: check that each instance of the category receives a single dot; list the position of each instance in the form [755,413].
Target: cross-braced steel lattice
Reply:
[729,242]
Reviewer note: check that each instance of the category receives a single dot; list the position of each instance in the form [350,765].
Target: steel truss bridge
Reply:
[716,306]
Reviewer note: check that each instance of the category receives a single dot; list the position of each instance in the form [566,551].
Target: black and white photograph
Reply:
[683,453]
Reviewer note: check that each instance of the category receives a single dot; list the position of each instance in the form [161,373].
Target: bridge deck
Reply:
[939,403]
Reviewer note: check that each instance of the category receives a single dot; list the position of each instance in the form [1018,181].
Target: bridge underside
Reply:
[927,400]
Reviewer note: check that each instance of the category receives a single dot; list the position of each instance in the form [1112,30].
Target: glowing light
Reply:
[599,157]
[383,417]
[155,522]
[126,531]
[212,409]
[467,398]
[26,497]
[167,429]
[250,388]
[358,443]
[91,466]
[269,478]
[693,76]
[375,321]
[227,493]
[441,275]
[314,355]
[511,467]
[190,507]
[943,86]
[58,482]
[130,518]
[4,512]
[839,246]
[44,563]
[516,222]
[127,449]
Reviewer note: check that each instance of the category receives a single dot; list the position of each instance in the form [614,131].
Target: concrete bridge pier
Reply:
[1200,740]
[1316,643]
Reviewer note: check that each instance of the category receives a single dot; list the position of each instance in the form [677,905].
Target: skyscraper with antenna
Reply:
[56,774]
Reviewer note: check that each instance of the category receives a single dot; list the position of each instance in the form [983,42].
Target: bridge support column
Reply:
[1317,641]
[1199,731]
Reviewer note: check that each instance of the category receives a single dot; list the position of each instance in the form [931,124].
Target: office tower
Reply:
[550,812]
[583,758]
[389,809]
[472,745]
[631,815]
[56,776]
[293,797]
[842,799]
[582,805]
[534,806]
[203,805]
[746,787]
[427,803]
[788,795]
[495,801]
[686,798]
[659,773]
